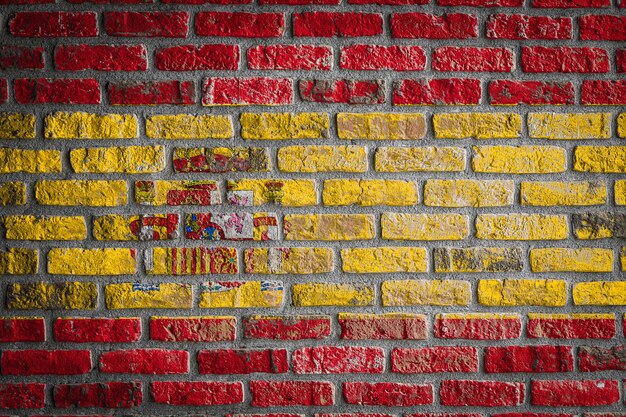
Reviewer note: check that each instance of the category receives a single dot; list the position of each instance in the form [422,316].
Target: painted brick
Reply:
[322,159]
[521,227]
[176,193]
[429,26]
[46,362]
[608,159]
[384,260]
[522,27]
[343,91]
[604,293]
[74,261]
[443,91]
[520,292]
[135,227]
[275,126]
[102,394]
[389,326]
[477,259]
[468,193]
[290,57]
[19,261]
[571,326]
[12,193]
[231,226]
[193,329]
[191,261]
[422,159]
[405,226]
[147,24]
[477,125]
[387,393]
[218,160]
[100,57]
[434,360]
[197,393]
[569,125]
[381,126]
[574,393]
[573,193]
[99,330]
[600,27]
[478,326]
[598,225]
[342,192]
[288,193]
[535,359]
[600,358]
[164,295]
[247,91]
[380,57]
[481,3]
[22,329]
[128,159]
[609,92]
[328,226]
[242,361]
[481,393]
[52,296]
[620,60]
[21,57]
[145,361]
[17,126]
[32,161]
[571,260]
[137,93]
[564,59]
[295,327]
[509,92]
[241,294]
[619,191]
[569,4]
[197,58]
[288,393]
[338,360]
[333,24]
[57,91]
[242,25]
[426,292]
[82,125]
[518,159]
[45,228]
[471,59]
[291,260]
[104,193]
[350,294]
[22,395]
[53,24]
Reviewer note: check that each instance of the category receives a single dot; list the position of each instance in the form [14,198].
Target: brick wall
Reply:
[428,219]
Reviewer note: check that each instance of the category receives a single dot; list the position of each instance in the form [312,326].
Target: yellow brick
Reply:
[82,125]
[289,260]
[74,261]
[344,192]
[468,193]
[557,193]
[477,125]
[600,293]
[284,125]
[49,296]
[189,126]
[381,126]
[522,292]
[384,259]
[12,193]
[328,226]
[160,193]
[19,261]
[241,294]
[404,226]
[477,259]
[518,159]
[288,193]
[569,125]
[571,260]
[135,227]
[128,160]
[191,261]
[33,161]
[423,159]
[620,192]
[81,193]
[17,126]
[610,159]
[322,159]
[621,125]
[622,257]
[519,226]
[45,228]
[411,292]
[163,295]
[349,294]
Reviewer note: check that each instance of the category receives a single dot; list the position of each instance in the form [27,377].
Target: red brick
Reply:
[387,393]
[242,361]
[429,26]
[434,359]
[208,1]
[383,328]
[477,328]
[147,24]
[151,92]
[444,415]
[299,2]
[197,392]
[265,415]
[21,57]
[343,91]
[111,1]
[570,4]
[481,3]
[620,59]
[610,92]
[286,327]
[521,27]
[564,59]
[379,57]
[389,2]
[58,91]
[15,329]
[53,24]
[100,57]
[105,330]
[4,90]
[46,362]
[26,1]
[593,328]
[509,92]
[193,329]
[528,359]
[352,415]
[290,57]
[448,91]
[286,393]
[602,358]
[22,395]
[481,393]
[451,58]
[247,91]
[241,25]
[145,361]
[338,360]
[574,393]
[104,394]
[194,58]
[531,415]
[602,28]
[334,24]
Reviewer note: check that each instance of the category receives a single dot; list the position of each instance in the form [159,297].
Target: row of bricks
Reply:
[352,326]
[500,159]
[312,24]
[318,360]
[303,192]
[287,126]
[267,393]
[270,294]
[280,91]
